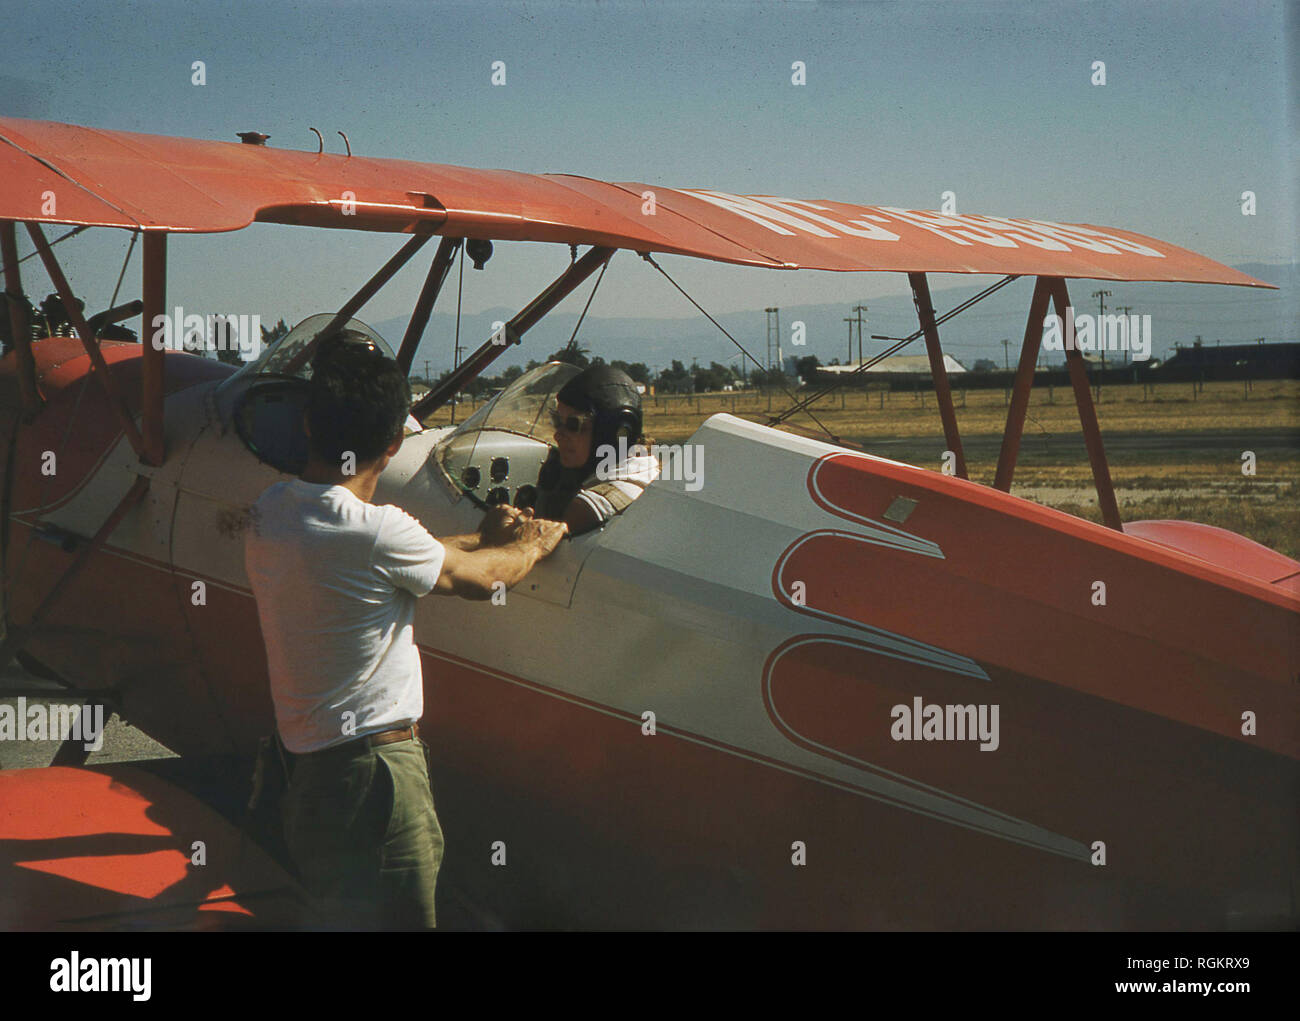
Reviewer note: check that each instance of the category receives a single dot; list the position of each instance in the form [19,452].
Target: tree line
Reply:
[677,378]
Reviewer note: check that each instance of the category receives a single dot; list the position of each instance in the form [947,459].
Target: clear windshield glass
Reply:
[278,357]
[522,406]
[521,409]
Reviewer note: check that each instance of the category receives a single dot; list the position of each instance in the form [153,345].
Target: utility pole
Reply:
[456,349]
[773,336]
[1124,310]
[1006,366]
[429,383]
[859,309]
[850,320]
[1101,297]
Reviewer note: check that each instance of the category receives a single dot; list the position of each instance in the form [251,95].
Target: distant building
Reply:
[905,364]
[1233,361]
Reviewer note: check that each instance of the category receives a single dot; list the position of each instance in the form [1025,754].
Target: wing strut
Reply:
[1054,289]
[556,291]
[153,290]
[938,371]
[91,345]
[1024,382]
[368,290]
[447,249]
[19,327]
[1087,416]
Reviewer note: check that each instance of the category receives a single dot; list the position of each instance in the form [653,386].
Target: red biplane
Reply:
[803,625]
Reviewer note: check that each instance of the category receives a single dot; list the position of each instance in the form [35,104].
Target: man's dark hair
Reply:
[359,398]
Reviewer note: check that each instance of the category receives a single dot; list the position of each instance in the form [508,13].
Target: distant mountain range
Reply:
[1179,314]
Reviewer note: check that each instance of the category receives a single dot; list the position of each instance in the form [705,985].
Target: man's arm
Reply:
[471,574]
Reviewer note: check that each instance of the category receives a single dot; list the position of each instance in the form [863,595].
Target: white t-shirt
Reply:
[336,581]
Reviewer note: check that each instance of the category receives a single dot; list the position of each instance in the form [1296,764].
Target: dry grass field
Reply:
[1175,450]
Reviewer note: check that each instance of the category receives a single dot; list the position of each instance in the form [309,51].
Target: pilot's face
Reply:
[574,447]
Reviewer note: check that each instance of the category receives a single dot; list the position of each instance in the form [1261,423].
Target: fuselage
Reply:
[692,716]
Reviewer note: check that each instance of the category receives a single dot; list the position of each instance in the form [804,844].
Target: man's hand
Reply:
[544,535]
[475,574]
[501,524]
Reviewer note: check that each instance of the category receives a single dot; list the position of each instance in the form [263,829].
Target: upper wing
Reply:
[61,173]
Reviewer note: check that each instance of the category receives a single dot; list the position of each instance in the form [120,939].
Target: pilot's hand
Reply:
[542,534]
[501,524]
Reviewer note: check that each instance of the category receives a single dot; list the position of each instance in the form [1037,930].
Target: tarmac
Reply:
[121,741]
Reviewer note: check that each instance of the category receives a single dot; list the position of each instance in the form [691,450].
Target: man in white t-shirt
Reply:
[336,579]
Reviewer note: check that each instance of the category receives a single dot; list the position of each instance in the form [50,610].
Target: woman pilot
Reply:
[598,465]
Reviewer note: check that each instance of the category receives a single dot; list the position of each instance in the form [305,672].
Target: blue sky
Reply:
[904,101]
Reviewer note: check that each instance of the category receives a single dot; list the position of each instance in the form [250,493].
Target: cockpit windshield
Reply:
[279,356]
[500,448]
[267,398]
[521,407]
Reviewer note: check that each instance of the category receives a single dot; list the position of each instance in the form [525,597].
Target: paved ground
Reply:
[122,743]
[210,781]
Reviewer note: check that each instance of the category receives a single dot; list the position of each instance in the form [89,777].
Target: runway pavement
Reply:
[121,742]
